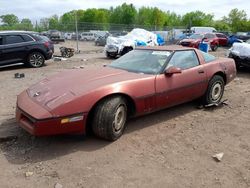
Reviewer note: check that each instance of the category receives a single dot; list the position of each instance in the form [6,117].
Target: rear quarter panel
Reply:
[220,65]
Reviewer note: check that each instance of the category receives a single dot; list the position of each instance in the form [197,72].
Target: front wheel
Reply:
[214,91]
[110,118]
[215,47]
[35,60]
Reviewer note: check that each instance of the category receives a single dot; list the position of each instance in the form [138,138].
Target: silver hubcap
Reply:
[216,92]
[120,118]
[36,60]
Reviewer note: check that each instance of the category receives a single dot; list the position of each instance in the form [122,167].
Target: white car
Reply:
[240,52]
[87,36]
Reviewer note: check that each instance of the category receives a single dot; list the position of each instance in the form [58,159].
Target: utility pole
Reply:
[77,45]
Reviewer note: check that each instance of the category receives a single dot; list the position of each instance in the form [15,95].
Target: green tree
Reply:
[124,14]
[237,20]
[197,18]
[44,24]
[54,22]
[26,24]
[9,19]
[158,18]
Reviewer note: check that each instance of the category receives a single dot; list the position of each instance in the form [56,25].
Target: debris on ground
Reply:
[19,75]
[58,185]
[218,156]
[28,174]
[59,59]
[67,52]
[84,60]
[78,67]
[222,103]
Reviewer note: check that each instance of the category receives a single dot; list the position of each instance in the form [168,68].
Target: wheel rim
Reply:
[36,60]
[120,118]
[216,92]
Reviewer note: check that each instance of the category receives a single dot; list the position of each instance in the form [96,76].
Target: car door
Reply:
[1,49]
[181,87]
[222,39]
[14,48]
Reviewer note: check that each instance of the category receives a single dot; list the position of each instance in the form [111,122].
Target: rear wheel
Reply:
[110,118]
[35,60]
[214,91]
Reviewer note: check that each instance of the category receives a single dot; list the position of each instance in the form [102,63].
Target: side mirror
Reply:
[172,70]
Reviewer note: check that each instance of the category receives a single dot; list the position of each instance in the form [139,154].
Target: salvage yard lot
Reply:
[170,148]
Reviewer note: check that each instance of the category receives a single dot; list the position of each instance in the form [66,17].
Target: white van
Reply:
[87,36]
[202,30]
[68,36]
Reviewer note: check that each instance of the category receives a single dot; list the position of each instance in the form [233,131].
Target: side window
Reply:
[12,39]
[184,60]
[1,40]
[27,38]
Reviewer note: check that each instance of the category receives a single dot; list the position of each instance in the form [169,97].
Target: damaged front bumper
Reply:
[39,121]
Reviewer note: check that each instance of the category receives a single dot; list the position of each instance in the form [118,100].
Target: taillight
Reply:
[46,44]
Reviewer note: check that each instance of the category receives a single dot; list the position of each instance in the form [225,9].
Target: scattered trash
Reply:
[218,156]
[84,60]
[19,75]
[78,67]
[28,174]
[67,52]
[58,185]
[224,102]
[59,59]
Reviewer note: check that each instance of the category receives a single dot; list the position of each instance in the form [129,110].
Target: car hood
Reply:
[241,49]
[66,86]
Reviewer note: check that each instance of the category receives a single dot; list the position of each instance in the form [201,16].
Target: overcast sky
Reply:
[36,9]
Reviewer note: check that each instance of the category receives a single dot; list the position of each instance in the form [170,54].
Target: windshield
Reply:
[196,36]
[142,61]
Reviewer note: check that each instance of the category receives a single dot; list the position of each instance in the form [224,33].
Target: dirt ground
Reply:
[170,148]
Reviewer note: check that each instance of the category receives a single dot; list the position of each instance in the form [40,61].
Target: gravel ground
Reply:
[170,148]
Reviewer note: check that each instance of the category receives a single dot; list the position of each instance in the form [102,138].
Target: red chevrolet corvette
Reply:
[143,81]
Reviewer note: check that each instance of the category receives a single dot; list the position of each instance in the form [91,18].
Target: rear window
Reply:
[27,38]
[13,39]
[209,36]
[208,57]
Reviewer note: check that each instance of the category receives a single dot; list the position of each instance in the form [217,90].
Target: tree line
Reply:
[126,14]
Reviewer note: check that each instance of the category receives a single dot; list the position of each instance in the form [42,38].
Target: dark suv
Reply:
[27,47]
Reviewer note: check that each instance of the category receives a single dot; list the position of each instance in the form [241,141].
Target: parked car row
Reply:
[214,39]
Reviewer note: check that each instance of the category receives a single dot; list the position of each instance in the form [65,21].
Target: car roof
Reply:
[17,32]
[165,48]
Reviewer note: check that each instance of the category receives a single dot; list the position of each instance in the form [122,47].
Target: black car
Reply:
[27,47]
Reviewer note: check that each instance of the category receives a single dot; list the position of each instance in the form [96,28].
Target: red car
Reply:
[223,39]
[143,81]
[195,39]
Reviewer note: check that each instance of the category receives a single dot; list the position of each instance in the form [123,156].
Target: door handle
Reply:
[200,71]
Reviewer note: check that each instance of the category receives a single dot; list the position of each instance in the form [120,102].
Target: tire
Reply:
[108,55]
[110,118]
[214,91]
[215,47]
[126,50]
[35,60]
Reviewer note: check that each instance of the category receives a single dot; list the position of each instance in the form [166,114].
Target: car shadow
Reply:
[18,66]
[24,148]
